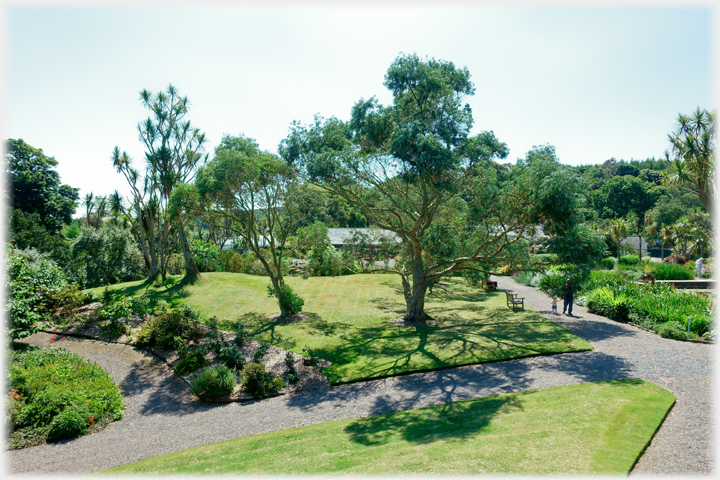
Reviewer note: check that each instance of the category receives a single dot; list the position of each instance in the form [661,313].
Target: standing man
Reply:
[699,266]
[567,298]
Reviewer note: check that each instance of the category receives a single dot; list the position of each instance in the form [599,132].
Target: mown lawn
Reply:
[349,322]
[592,428]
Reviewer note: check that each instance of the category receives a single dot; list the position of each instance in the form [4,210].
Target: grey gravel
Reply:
[162,415]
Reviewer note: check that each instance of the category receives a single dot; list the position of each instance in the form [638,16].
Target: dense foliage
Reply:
[33,281]
[56,394]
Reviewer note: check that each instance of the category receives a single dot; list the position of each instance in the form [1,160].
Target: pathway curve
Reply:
[161,416]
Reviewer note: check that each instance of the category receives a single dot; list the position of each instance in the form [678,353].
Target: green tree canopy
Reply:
[251,188]
[625,194]
[414,169]
[36,185]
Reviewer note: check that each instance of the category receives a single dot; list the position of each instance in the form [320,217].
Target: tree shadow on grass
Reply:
[172,294]
[455,421]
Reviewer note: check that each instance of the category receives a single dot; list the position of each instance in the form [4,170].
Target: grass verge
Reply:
[349,322]
[591,428]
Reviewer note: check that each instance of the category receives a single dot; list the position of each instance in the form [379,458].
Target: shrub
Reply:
[259,383]
[72,422]
[55,393]
[603,278]
[629,260]
[107,256]
[671,330]
[552,285]
[289,301]
[676,259]
[608,303]
[32,284]
[171,328]
[206,255]
[608,263]
[190,362]
[672,271]
[241,334]
[214,381]
[260,353]
[530,279]
[231,357]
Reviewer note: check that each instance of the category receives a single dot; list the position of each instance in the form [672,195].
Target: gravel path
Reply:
[161,416]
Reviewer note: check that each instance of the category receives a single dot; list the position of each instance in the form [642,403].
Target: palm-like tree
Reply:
[692,156]
[89,203]
[618,229]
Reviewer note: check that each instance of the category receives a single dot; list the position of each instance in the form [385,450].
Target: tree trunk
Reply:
[191,270]
[415,308]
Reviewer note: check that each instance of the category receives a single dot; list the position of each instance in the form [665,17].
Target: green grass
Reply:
[592,428]
[349,322]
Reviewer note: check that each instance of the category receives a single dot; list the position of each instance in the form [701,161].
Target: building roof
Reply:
[339,236]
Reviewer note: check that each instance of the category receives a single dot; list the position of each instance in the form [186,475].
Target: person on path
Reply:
[699,266]
[567,298]
[554,305]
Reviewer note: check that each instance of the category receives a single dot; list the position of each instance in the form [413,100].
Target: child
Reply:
[554,305]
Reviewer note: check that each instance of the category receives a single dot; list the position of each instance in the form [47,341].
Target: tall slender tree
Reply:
[173,150]
[692,156]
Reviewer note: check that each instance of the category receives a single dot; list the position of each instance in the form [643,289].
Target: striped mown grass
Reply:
[592,428]
[350,322]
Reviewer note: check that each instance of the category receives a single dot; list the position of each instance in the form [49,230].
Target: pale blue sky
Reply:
[595,82]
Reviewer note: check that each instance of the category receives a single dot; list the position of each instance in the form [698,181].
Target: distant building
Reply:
[340,236]
[636,242]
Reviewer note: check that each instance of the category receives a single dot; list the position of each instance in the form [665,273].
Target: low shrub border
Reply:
[56,394]
[176,337]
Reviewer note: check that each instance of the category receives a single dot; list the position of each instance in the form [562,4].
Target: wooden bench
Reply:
[488,285]
[513,300]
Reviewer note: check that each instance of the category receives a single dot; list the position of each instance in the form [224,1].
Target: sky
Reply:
[595,81]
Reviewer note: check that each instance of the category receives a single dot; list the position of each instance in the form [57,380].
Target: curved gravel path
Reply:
[161,416]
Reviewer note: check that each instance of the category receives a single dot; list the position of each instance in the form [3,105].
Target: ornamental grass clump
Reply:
[657,307]
[672,271]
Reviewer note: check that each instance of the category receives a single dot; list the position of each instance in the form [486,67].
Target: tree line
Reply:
[410,167]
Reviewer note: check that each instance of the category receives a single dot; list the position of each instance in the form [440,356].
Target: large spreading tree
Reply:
[414,169]
[174,150]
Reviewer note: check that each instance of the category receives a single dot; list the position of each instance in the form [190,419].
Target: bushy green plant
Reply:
[57,394]
[552,284]
[32,285]
[260,353]
[671,330]
[609,303]
[231,356]
[214,381]
[191,361]
[603,278]
[241,334]
[206,255]
[107,256]
[292,374]
[72,422]
[289,301]
[629,260]
[258,382]
[171,328]
[608,263]
[672,271]
[531,279]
